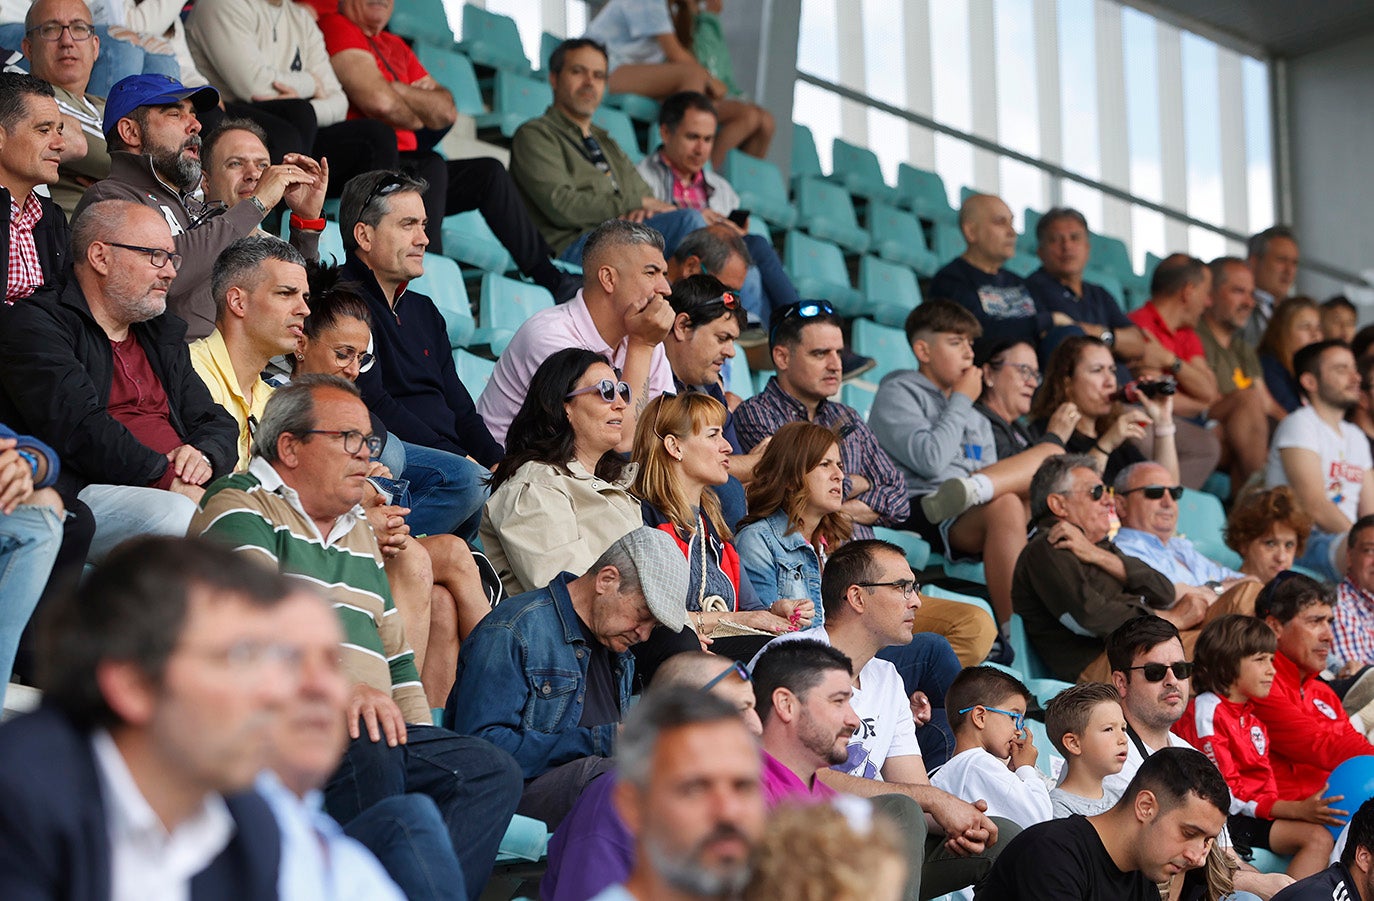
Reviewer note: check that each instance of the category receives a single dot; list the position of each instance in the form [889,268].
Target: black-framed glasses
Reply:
[737,668]
[353,440]
[383,188]
[1154,672]
[52,31]
[1155,492]
[1027,372]
[906,586]
[607,388]
[156,255]
[802,309]
[1017,719]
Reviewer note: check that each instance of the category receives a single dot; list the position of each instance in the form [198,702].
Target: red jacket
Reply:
[1309,733]
[1233,738]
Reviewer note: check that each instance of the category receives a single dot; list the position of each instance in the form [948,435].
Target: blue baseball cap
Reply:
[128,94]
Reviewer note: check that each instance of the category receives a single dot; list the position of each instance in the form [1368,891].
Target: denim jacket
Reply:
[521,682]
[780,566]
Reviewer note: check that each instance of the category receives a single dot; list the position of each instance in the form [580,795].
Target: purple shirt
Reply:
[591,849]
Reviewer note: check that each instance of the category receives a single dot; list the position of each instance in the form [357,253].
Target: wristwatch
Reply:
[1214,585]
[1107,337]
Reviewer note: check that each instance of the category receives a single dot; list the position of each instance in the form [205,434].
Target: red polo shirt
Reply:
[394,60]
[1184,342]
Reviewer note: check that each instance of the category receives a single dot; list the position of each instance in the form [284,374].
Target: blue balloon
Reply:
[1355,780]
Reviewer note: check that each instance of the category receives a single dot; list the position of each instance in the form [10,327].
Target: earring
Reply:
[300,356]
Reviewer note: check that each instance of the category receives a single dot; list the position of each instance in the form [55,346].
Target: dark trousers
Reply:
[290,123]
[475,785]
[355,147]
[408,836]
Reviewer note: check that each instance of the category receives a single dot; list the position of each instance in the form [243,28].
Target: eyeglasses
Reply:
[802,309]
[353,440]
[383,188]
[1154,672]
[1155,492]
[737,668]
[346,355]
[52,31]
[1095,492]
[1027,372]
[1017,719]
[156,255]
[607,388]
[906,586]
[249,654]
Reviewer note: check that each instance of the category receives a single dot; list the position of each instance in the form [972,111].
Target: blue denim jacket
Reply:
[780,566]
[521,682]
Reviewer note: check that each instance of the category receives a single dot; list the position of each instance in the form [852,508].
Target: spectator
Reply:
[819,851]
[35,236]
[547,674]
[384,80]
[1351,875]
[260,291]
[1362,414]
[979,282]
[1163,825]
[1273,257]
[1268,529]
[1323,458]
[162,19]
[1340,319]
[1180,289]
[685,848]
[806,344]
[1296,323]
[1352,645]
[58,56]
[414,389]
[1081,373]
[561,495]
[620,313]
[136,430]
[717,251]
[1010,376]
[1086,725]
[154,138]
[572,174]
[647,58]
[297,507]
[676,172]
[165,674]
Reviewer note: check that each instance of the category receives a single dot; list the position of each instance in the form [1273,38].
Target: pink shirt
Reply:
[781,784]
[544,333]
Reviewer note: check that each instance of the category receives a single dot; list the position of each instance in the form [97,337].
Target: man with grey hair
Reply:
[260,308]
[622,312]
[547,674]
[96,370]
[1273,256]
[297,508]
[713,250]
[1071,585]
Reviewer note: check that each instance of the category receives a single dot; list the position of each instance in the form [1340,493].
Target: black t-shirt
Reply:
[1079,443]
[602,702]
[1061,860]
[1332,882]
[1096,306]
[1000,301]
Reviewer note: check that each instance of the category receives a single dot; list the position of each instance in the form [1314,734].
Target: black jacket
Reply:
[51,236]
[56,367]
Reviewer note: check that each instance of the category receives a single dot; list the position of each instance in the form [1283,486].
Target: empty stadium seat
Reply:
[516,100]
[636,106]
[827,212]
[424,21]
[891,290]
[1112,255]
[1026,242]
[923,193]
[1202,521]
[897,236]
[468,239]
[547,44]
[454,72]
[473,371]
[806,162]
[1027,660]
[817,269]
[917,548]
[858,170]
[489,39]
[503,307]
[760,187]
[618,125]
[859,395]
[947,242]
[443,283]
[886,345]
[740,380]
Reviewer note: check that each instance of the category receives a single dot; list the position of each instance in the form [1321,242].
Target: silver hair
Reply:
[1123,479]
[291,411]
[712,248]
[240,265]
[618,555]
[1055,476]
[614,234]
[354,205]
[656,713]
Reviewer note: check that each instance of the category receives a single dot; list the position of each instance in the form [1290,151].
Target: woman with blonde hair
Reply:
[1297,322]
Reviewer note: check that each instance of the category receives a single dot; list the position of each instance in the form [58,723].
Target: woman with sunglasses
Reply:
[560,497]
[1082,371]
[1269,530]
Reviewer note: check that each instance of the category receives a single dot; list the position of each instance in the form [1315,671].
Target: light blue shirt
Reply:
[615,893]
[1178,560]
[319,862]
[630,30]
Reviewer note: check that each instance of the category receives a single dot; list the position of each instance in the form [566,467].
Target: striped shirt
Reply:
[255,512]
[1354,627]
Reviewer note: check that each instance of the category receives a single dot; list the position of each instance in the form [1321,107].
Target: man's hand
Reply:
[1062,319]
[388,523]
[306,198]
[858,484]
[653,206]
[190,465]
[1068,537]
[714,218]
[274,182]
[1190,611]
[1266,885]
[968,830]
[650,323]
[1023,751]
[194,492]
[16,477]
[970,382]
[380,714]
[1156,357]
[920,708]
[280,91]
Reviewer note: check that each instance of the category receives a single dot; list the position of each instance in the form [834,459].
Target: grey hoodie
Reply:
[931,438]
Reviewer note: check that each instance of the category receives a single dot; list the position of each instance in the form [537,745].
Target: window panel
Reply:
[884,53]
[817,47]
[1259,152]
[1202,128]
[1018,112]
[1078,87]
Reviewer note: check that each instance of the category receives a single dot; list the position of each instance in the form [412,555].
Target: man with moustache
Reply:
[35,234]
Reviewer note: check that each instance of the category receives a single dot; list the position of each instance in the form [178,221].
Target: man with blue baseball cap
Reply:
[153,132]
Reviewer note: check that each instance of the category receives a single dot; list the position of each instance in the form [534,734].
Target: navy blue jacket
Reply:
[50,236]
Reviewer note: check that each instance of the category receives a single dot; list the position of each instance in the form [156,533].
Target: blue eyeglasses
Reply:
[738,668]
[1018,719]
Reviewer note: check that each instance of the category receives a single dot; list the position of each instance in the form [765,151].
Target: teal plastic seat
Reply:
[760,187]
[917,548]
[516,100]
[548,43]
[454,71]
[859,395]
[421,20]
[443,283]
[948,242]
[817,269]
[741,380]
[886,345]
[331,247]
[636,106]
[923,193]
[827,212]
[891,290]
[1202,520]
[503,306]
[473,371]
[1022,264]
[1112,255]
[617,123]
[1026,657]
[1026,242]
[491,39]
[897,236]
[858,170]
[806,162]
[468,239]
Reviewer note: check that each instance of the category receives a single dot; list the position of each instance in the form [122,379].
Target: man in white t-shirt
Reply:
[869,595]
[1324,459]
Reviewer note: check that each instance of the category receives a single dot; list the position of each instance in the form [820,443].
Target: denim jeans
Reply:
[474,784]
[674,226]
[408,835]
[766,287]
[29,539]
[125,511]
[928,664]
[446,492]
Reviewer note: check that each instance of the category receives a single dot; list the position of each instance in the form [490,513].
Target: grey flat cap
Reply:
[661,570]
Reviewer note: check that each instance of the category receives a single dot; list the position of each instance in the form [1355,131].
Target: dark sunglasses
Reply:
[1154,672]
[737,668]
[1094,492]
[802,309]
[383,188]
[608,390]
[1155,492]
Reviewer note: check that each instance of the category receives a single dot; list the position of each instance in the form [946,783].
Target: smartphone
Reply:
[740,218]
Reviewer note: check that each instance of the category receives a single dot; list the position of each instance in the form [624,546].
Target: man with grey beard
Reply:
[153,134]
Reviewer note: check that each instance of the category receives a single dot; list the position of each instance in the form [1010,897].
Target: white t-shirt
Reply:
[1344,456]
[1116,783]
[1021,797]
[886,728]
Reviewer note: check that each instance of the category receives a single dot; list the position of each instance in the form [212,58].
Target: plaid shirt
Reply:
[25,271]
[764,413]
[1354,627]
[689,191]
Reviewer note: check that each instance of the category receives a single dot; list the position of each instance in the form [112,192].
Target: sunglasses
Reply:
[1017,719]
[383,188]
[606,388]
[1094,492]
[1155,492]
[802,309]
[737,668]
[1154,672]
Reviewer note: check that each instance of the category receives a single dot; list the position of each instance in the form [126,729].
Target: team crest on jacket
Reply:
[1257,738]
[1324,707]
